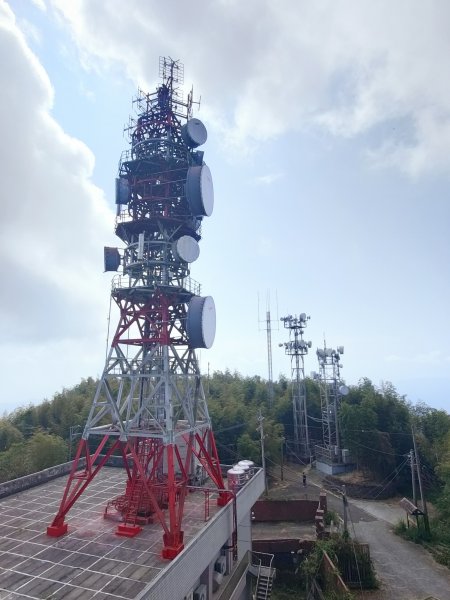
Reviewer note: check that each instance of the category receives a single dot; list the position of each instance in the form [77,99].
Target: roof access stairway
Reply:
[261,568]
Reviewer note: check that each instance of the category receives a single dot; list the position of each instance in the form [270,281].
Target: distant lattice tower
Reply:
[297,348]
[150,406]
[331,391]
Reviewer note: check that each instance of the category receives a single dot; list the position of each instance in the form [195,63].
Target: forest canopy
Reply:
[375,426]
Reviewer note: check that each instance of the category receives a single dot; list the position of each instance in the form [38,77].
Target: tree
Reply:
[358,428]
[14,462]
[9,435]
[248,448]
[45,450]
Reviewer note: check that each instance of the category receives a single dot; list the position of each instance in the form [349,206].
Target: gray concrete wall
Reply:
[28,481]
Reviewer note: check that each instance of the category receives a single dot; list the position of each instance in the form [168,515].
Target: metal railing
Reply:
[125,282]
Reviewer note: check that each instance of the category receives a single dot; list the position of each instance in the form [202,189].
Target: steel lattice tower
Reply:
[150,407]
[329,380]
[297,348]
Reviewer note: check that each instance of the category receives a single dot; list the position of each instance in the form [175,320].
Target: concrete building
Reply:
[91,561]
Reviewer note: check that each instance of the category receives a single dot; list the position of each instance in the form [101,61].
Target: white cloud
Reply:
[347,67]
[30,31]
[433,357]
[267,179]
[54,220]
[40,4]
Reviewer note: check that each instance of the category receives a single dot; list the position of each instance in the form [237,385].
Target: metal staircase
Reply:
[264,585]
[261,567]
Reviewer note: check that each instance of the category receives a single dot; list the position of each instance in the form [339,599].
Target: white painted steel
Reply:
[186,248]
[194,133]
[201,322]
[200,190]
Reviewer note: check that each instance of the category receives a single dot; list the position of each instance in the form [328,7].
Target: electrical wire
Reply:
[394,474]
[375,450]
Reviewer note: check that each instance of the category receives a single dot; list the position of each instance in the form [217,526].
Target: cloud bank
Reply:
[54,220]
[349,68]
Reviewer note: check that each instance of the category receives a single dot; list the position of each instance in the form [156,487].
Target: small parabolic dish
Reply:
[186,248]
[201,322]
[343,390]
[194,133]
[200,190]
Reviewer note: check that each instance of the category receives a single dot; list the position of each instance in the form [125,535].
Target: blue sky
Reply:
[329,131]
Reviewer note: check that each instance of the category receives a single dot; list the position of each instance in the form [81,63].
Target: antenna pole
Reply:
[269,357]
[260,428]
[268,328]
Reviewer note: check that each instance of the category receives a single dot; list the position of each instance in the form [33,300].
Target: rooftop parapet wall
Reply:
[28,481]
[33,479]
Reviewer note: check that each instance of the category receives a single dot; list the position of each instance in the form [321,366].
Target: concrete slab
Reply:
[90,561]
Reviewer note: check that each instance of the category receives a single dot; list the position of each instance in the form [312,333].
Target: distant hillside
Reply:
[375,425]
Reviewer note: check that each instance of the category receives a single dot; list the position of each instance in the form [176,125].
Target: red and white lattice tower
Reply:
[150,406]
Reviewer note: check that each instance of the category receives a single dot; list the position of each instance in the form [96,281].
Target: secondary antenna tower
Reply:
[297,348]
[150,407]
[267,325]
[331,392]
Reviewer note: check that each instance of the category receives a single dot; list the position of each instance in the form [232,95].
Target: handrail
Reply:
[126,282]
[258,554]
[261,566]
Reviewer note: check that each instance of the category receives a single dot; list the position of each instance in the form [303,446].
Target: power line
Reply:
[376,450]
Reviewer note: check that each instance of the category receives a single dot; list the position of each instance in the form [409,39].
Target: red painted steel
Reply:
[152,301]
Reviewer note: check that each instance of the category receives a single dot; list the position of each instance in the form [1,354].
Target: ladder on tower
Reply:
[136,502]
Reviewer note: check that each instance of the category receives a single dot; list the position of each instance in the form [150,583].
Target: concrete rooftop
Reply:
[90,561]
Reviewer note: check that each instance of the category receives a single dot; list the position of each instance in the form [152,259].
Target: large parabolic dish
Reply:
[201,322]
[200,190]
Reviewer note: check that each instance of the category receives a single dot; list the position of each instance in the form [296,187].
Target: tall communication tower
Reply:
[269,356]
[150,406]
[297,348]
[267,326]
[331,391]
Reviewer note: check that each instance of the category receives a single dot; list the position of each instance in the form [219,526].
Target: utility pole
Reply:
[345,503]
[282,459]
[413,476]
[260,428]
[419,477]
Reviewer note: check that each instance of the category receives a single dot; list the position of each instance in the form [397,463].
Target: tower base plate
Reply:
[57,530]
[128,530]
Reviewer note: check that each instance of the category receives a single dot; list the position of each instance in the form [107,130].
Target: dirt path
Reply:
[406,570]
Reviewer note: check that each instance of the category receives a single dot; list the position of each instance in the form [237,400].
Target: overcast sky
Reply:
[328,141]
